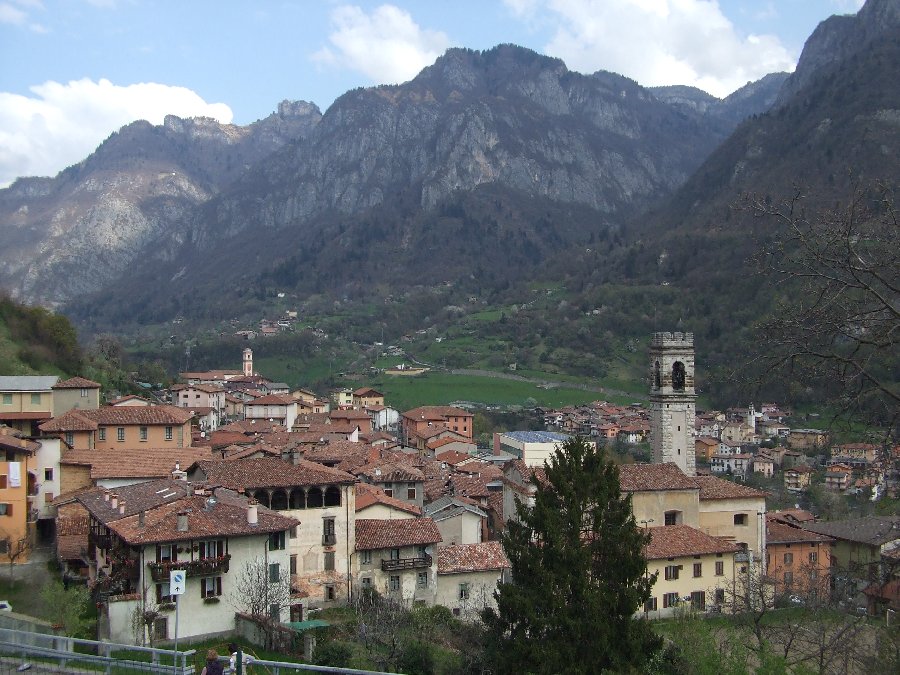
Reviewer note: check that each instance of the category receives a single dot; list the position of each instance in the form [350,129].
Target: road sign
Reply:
[176,582]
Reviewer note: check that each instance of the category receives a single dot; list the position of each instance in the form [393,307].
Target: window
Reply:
[672,572]
[813,557]
[35,399]
[670,600]
[168,433]
[395,554]
[788,558]
[389,492]
[275,612]
[698,600]
[293,564]
[4,546]
[274,572]
[740,518]
[720,596]
[296,613]
[3,481]
[163,594]
[673,517]
[366,582]
[166,552]
[411,493]
[70,438]
[101,433]
[329,561]
[330,593]
[293,534]
[7,399]
[698,570]
[720,568]
[394,582]
[84,393]
[277,541]
[366,557]
[210,587]
[788,578]
[464,591]
[161,628]
[650,605]
[422,580]
[120,433]
[48,475]
[143,433]
[329,538]
[6,509]
[212,548]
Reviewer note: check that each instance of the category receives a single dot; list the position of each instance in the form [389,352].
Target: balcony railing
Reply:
[405,563]
[201,567]
[329,539]
[101,541]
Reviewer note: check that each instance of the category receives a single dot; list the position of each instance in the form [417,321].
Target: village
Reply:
[338,494]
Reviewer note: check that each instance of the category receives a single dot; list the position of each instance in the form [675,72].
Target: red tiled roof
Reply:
[272,399]
[377,534]
[76,383]
[484,557]
[436,412]
[367,391]
[262,472]
[385,472]
[653,477]
[675,541]
[712,487]
[73,420]
[367,495]
[119,415]
[135,463]
[452,456]
[780,533]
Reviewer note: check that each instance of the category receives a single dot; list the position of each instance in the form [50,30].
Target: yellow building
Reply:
[18,489]
[111,427]
[26,401]
[693,570]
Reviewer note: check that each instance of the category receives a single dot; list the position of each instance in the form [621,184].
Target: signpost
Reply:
[177,582]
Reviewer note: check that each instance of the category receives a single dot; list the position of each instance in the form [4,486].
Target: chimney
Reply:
[122,507]
[189,490]
[114,501]
[252,513]
[106,495]
[374,453]
[182,523]
[141,519]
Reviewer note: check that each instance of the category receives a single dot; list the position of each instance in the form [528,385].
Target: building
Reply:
[859,548]
[415,423]
[199,396]
[468,575]
[532,447]
[374,504]
[113,427]
[397,558]
[807,439]
[247,362]
[76,392]
[26,401]
[275,408]
[692,570]
[672,399]
[321,498]
[798,561]
[797,479]
[367,396]
[838,477]
[18,495]
[458,519]
[137,537]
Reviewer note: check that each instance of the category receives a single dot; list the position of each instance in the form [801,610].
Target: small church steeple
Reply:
[672,399]
[248,362]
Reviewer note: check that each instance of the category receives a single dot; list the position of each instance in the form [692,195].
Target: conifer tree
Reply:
[578,574]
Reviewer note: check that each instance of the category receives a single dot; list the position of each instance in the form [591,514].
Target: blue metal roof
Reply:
[537,436]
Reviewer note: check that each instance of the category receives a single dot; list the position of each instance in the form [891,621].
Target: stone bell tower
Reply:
[248,362]
[672,399]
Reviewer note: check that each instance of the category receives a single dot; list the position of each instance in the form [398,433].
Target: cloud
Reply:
[12,15]
[61,124]
[387,45]
[661,42]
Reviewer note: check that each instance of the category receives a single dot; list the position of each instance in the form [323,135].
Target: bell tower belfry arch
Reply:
[673,399]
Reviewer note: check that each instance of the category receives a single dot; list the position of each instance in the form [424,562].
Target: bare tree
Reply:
[837,323]
[15,550]
[262,591]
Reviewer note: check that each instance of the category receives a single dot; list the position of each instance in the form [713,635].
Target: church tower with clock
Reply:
[672,399]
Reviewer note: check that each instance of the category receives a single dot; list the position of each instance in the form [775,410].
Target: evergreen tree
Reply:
[578,574]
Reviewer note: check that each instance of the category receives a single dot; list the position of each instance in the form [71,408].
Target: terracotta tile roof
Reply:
[479,468]
[117,415]
[77,383]
[792,515]
[780,533]
[263,472]
[226,518]
[712,487]
[349,415]
[470,486]
[135,463]
[451,456]
[130,397]
[653,477]
[337,451]
[11,439]
[367,391]
[675,541]
[378,534]
[484,557]
[272,399]
[367,495]
[384,471]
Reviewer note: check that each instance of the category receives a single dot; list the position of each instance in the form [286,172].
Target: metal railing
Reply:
[100,656]
[389,565]
[279,667]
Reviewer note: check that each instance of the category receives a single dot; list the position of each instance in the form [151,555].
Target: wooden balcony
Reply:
[101,541]
[201,567]
[405,563]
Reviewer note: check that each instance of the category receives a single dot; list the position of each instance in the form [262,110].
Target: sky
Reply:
[74,71]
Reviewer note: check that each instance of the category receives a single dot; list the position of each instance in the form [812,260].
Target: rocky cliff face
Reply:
[73,234]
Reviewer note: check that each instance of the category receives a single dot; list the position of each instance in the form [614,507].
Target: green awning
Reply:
[301,626]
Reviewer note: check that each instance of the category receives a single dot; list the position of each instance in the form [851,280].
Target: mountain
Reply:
[401,159]
[72,234]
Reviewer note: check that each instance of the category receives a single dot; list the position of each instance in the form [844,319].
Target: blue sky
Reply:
[76,70]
